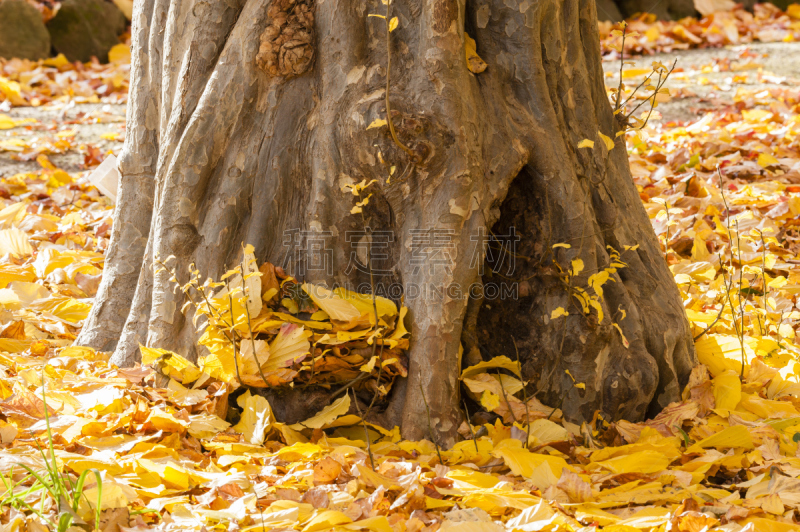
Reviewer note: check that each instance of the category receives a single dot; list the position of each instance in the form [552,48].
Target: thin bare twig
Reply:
[524,394]
[249,326]
[366,431]
[430,425]
[396,140]
[474,439]
[233,335]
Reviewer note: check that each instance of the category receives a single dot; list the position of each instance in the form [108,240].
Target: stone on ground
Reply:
[85,28]
[22,32]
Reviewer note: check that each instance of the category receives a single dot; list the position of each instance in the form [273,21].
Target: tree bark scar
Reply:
[287,44]
[445,12]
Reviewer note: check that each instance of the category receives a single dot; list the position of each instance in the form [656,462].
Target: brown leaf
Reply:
[268,278]
[574,486]
[326,470]
[112,519]
[14,330]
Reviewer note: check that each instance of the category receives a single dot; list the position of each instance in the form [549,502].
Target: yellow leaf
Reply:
[586,143]
[719,353]
[327,415]
[12,214]
[557,313]
[12,91]
[6,122]
[58,61]
[10,273]
[256,418]
[772,504]
[14,242]
[379,523]
[561,245]
[523,462]
[608,142]
[597,280]
[393,24]
[577,267]
[497,362]
[120,54]
[640,462]
[767,408]
[71,310]
[490,401]
[727,390]
[289,346]
[336,307]
[546,431]
[598,307]
[252,362]
[206,426]
[625,341]
[325,520]
[375,480]
[438,504]
[475,64]
[378,122]
[364,304]
[765,160]
[369,366]
[175,366]
[737,436]
[635,72]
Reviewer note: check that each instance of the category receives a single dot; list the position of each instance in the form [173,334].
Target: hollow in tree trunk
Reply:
[247,117]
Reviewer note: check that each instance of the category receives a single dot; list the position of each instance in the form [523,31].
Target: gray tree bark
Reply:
[246,118]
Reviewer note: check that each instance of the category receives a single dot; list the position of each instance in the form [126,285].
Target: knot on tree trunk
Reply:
[287,44]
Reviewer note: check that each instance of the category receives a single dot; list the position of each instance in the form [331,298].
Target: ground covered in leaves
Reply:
[177,446]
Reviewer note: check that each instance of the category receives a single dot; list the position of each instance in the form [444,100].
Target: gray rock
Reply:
[608,10]
[85,28]
[22,32]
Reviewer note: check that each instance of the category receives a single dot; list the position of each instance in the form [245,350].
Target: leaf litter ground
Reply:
[170,457]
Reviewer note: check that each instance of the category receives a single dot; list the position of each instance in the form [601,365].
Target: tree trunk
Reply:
[247,117]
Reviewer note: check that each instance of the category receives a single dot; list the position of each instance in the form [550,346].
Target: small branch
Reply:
[621,66]
[524,395]
[366,432]
[249,327]
[388,85]
[430,425]
[474,439]
[505,398]
[719,315]
[233,335]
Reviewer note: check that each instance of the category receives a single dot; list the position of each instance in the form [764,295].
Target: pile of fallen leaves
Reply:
[262,329]
[648,35]
[34,83]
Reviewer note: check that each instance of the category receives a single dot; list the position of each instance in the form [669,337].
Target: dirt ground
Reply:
[76,136]
[65,133]
[703,78]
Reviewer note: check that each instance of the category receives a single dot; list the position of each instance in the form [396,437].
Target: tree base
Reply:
[220,152]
